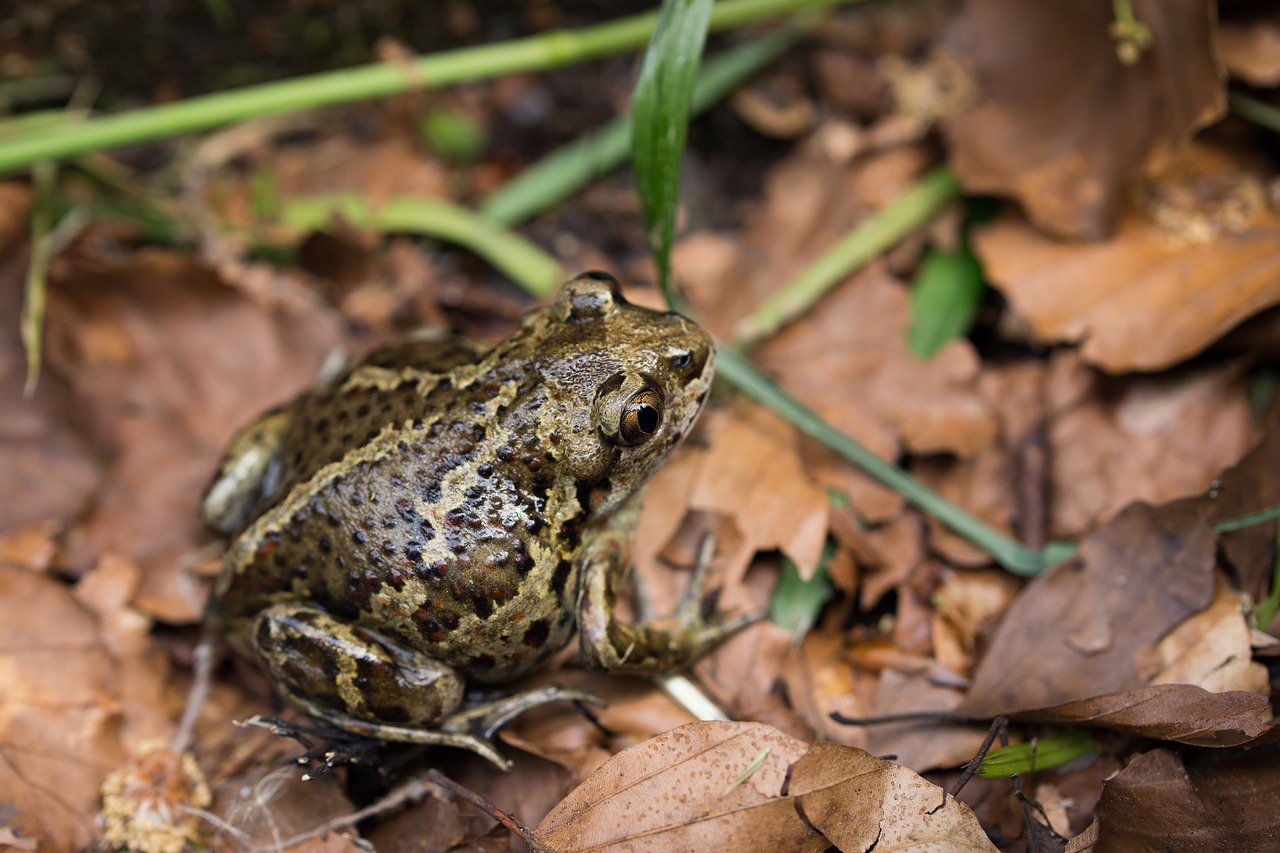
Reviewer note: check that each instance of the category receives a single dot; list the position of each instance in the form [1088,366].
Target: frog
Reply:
[444,515]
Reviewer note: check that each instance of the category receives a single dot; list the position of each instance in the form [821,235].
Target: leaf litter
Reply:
[1092,403]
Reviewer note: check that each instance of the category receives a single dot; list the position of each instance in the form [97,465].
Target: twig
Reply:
[511,822]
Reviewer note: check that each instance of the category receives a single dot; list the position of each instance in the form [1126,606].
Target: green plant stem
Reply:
[561,173]
[548,50]
[1251,109]
[874,235]
[526,263]
[32,323]
[1013,556]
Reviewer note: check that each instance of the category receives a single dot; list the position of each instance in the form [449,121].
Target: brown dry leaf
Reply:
[1142,438]
[848,360]
[145,347]
[635,710]
[1064,123]
[1227,800]
[751,472]
[1178,712]
[969,604]
[1250,46]
[1090,625]
[922,747]
[1196,256]
[1213,649]
[1253,484]
[713,785]
[271,807]
[862,803]
[42,457]
[60,716]
[809,203]
[15,202]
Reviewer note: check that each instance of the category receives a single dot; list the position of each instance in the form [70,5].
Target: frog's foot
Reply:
[326,745]
[483,721]
[613,645]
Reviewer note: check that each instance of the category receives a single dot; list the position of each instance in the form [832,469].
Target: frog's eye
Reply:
[640,417]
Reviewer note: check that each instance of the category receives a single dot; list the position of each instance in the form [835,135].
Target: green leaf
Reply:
[796,602]
[660,108]
[1040,754]
[453,135]
[944,298]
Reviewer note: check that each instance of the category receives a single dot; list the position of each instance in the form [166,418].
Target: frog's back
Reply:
[416,501]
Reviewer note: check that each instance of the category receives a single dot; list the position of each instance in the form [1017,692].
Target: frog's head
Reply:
[630,380]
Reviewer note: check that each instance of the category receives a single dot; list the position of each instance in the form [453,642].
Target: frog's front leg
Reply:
[248,472]
[611,644]
[365,683]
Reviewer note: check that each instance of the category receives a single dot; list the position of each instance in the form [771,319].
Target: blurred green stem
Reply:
[1013,556]
[1259,112]
[544,51]
[874,235]
[524,262]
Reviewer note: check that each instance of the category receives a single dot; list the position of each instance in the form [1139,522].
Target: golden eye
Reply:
[640,417]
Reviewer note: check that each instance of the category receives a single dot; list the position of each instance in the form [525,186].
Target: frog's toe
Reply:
[483,721]
[326,746]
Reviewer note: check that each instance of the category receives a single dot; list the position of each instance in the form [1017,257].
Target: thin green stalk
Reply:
[561,173]
[1013,556]
[1251,109]
[32,323]
[874,235]
[525,263]
[544,51]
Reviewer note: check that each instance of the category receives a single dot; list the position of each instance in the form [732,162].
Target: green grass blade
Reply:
[944,299]
[876,234]
[568,169]
[525,263]
[1043,754]
[540,52]
[660,109]
[1013,556]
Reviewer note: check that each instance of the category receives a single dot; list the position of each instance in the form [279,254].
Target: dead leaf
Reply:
[713,785]
[1178,712]
[921,747]
[751,472]
[145,348]
[1140,438]
[43,457]
[1164,800]
[272,806]
[809,203]
[848,360]
[1251,485]
[1213,648]
[1194,259]
[1250,45]
[1090,625]
[862,803]
[59,713]
[1065,124]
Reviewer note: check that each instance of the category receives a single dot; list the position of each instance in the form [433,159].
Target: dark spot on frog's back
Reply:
[537,633]
[561,577]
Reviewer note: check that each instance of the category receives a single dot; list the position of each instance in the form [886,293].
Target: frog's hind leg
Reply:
[366,684]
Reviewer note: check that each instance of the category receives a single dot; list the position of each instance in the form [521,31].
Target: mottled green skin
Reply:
[424,518]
